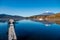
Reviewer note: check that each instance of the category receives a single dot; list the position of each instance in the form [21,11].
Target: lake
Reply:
[32,30]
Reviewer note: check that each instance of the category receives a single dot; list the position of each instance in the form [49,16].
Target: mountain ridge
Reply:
[6,17]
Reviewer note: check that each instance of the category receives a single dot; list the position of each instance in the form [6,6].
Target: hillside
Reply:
[5,17]
[55,17]
[51,18]
[43,15]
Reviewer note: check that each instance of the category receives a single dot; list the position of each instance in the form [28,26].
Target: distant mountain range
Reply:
[43,15]
[5,17]
[46,16]
[50,17]
[54,17]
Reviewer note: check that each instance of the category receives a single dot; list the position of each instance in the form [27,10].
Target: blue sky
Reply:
[28,7]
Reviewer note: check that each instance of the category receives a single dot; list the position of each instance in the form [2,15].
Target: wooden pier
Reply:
[11,31]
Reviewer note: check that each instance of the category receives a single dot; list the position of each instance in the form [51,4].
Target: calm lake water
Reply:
[31,30]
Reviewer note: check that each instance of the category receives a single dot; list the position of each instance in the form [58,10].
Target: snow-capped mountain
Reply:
[47,13]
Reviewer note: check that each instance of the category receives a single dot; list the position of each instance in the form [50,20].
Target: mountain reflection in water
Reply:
[32,30]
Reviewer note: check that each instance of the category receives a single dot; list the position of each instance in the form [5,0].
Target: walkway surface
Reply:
[11,32]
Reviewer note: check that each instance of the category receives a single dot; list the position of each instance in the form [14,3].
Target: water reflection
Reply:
[57,22]
[47,23]
[32,30]
[37,30]
[3,31]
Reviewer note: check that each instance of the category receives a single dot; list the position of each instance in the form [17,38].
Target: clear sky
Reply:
[28,7]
